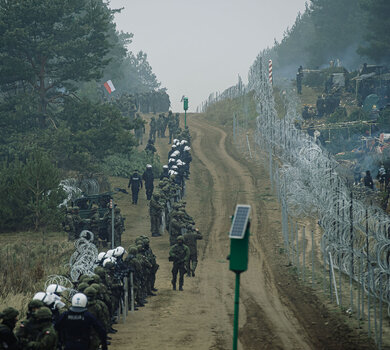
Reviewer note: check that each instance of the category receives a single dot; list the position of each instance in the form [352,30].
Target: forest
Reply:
[352,31]
[56,117]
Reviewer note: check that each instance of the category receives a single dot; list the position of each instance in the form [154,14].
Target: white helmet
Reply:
[107,260]
[148,165]
[55,288]
[175,140]
[102,256]
[187,148]
[173,146]
[46,298]
[176,153]
[183,142]
[175,173]
[110,253]
[58,304]
[119,251]
[165,166]
[79,302]
[179,162]
[171,160]
[174,166]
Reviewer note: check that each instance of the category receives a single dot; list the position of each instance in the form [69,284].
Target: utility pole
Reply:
[185,106]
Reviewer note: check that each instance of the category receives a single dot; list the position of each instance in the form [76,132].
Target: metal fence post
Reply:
[304,253]
[312,258]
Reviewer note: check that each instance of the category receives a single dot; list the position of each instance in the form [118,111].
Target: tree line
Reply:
[55,56]
[353,31]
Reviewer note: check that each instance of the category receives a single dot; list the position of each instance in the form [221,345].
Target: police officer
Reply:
[179,255]
[148,177]
[75,326]
[164,173]
[8,317]
[136,183]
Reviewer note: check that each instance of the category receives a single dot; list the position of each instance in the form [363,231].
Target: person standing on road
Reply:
[148,177]
[190,240]
[179,255]
[136,183]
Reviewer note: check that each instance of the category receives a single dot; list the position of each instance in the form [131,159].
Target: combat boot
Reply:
[181,288]
[173,286]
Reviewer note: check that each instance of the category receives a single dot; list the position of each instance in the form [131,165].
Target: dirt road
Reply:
[276,312]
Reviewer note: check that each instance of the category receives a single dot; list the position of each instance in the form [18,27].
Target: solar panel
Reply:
[241,216]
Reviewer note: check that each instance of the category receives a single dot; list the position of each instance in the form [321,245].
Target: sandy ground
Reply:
[276,311]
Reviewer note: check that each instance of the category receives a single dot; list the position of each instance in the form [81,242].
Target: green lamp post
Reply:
[185,106]
[238,258]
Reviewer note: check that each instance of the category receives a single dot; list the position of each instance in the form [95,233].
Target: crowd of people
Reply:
[82,316]
[54,322]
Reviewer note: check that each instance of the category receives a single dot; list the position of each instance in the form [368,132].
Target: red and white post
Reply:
[270,71]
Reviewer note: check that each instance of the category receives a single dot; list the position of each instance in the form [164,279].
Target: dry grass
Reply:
[26,259]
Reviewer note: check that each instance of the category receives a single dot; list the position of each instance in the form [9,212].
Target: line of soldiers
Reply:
[50,324]
[159,126]
[167,212]
[101,226]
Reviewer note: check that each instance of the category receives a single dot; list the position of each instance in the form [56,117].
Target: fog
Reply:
[197,47]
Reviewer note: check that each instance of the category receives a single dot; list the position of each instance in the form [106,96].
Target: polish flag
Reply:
[109,86]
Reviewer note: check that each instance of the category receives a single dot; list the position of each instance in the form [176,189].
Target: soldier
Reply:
[152,260]
[148,177]
[78,222]
[164,124]
[136,183]
[74,326]
[150,149]
[179,255]
[139,128]
[68,224]
[28,329]
[155,211]
[95,309]
[46,338]
[153,129]
[176,227]
[159,125]
[171,127]
[190,240]
[9,317]
[94,223]
[119,226]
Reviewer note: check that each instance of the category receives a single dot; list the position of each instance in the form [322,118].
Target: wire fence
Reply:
[331,235]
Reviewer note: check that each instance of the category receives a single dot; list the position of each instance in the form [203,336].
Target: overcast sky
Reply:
[196,47]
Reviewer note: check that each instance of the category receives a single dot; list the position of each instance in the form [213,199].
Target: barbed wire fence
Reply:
[331,235]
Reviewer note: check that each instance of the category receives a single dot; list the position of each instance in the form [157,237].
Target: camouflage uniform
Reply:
[7,338]
[155,211]
[29,328]
[46,338]
[190,240]
[179,255]
[153,129]
[68,224]
[95,309]
[171,127]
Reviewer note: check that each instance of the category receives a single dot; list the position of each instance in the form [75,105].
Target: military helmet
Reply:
[82,286]
[96,286]
[180,238]
[35,304]
[43,314]
[96,278]
[9,313]
[133,250]
[90,292]
[117,210]
[99,271]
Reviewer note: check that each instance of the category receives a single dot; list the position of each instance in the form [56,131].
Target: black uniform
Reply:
[164,173]
[75,329]
[135,183]
[148,177]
